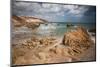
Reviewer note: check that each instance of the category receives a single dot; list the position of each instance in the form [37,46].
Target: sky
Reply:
[55,12]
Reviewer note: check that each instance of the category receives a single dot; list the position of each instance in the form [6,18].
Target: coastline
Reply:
[54,50]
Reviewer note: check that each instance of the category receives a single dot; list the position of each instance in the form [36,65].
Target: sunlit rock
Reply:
[78,38]
[30,22]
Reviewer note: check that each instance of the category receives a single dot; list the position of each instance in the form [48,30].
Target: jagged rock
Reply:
[78,38]
[47,41]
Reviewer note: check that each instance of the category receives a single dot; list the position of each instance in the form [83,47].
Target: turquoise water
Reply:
[58,29]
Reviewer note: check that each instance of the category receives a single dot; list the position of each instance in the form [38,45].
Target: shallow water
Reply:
[58,29]
[50,29]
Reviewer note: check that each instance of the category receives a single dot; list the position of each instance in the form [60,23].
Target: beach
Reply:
[43,45]
[48,33]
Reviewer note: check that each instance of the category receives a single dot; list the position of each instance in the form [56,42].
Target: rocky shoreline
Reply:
[70,48]
[30,22]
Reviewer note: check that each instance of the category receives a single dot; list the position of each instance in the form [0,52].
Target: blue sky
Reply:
[55,12]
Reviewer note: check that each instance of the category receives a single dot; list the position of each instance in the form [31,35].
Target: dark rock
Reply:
[92,30]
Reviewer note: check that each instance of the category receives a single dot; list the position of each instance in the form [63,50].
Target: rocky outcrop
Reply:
[78,39]
[30,22]
[39,51]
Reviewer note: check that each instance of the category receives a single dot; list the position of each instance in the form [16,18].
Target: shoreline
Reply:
[50,49]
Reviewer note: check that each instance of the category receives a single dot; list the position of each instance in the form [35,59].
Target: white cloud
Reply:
[48,11]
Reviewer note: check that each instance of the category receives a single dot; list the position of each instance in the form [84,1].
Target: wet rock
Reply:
[92,30]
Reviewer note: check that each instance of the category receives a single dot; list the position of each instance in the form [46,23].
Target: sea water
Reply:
[59,29]
[46,30]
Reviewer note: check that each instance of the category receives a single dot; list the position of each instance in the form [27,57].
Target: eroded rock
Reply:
[77,39]
[30,22]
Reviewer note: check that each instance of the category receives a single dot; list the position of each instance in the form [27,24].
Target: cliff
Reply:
[30,22]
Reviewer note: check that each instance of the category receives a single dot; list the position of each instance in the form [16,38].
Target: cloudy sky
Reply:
[55,12]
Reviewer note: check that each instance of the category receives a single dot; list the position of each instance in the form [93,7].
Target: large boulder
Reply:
[78,38]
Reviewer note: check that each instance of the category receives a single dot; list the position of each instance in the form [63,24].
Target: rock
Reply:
[77,39]
[69,25]
[30,22]
[92,30]
[47,41]
[27,54]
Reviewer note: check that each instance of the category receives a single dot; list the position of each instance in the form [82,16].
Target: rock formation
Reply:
[39,51]
[78,40]
[30,22]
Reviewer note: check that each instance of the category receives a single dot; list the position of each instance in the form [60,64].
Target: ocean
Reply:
[49,30]
[59,29]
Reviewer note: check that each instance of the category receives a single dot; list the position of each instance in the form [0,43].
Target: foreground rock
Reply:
[40,51]
[78,40]
[30,22]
